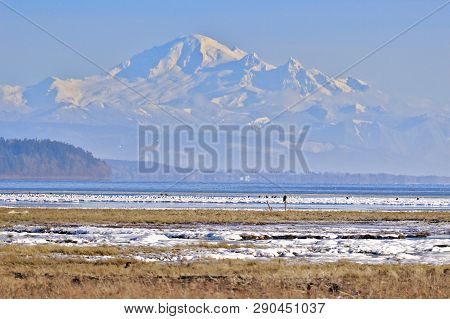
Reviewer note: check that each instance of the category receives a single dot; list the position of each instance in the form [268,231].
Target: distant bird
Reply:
[270,207]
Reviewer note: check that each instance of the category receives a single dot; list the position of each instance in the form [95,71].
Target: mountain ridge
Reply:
[48,160]
[355,127]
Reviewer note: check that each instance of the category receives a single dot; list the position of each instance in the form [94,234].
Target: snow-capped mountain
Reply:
[199,80]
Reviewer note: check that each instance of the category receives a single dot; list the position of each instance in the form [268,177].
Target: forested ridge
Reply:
[46,159]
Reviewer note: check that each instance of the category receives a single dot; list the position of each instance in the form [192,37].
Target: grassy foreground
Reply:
[11,216]
[34,275]
[57,271]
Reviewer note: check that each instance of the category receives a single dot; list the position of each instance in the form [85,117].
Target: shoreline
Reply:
[253,202]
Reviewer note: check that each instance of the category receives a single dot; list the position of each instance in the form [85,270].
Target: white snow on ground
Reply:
[376,242]
[322,200]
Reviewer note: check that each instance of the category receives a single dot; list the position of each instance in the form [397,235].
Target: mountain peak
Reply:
[252,61]
[294,65]
[213,52]
[187,54]
[356,84]
[202,81]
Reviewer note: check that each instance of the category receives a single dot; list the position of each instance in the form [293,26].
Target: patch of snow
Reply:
[260,121]
[12,95]
[312,241]
[68,91]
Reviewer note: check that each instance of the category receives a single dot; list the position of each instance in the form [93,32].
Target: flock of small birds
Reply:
[285,197]
[271,196]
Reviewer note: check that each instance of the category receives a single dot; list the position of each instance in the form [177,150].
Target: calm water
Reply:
[207,195]
[222,188]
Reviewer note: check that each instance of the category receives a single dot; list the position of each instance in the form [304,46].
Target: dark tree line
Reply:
[45,159]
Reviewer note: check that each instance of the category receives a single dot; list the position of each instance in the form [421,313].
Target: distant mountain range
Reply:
[128,171]
[49,160]
[354,127]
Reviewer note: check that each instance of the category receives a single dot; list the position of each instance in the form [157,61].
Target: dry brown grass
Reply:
[39,250]
[49,249]
[41,277]
[10,216]
[35,272]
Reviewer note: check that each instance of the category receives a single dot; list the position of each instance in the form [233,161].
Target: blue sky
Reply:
[329,35]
